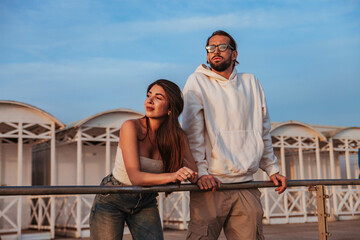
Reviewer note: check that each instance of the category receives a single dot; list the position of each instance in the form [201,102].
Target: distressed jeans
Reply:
[110,212]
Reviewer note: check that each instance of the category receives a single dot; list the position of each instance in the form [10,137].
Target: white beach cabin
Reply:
[22,126]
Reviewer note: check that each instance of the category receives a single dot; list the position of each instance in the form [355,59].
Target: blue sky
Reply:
[74,59]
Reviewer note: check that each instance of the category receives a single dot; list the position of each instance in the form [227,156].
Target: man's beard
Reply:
[220,67]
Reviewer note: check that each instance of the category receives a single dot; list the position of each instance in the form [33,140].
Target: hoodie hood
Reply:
[213,75]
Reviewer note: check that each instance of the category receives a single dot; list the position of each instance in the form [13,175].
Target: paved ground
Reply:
[340,230]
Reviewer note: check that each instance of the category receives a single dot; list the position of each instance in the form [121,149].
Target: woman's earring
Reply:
[169,113]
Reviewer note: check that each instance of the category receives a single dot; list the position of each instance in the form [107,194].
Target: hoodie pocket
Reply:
[236,152]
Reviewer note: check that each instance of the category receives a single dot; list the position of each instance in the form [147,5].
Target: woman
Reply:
[152,150]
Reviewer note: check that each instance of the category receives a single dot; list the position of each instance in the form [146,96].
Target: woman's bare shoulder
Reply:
[133,125]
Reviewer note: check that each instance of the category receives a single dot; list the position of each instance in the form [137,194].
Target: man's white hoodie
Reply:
[228,126]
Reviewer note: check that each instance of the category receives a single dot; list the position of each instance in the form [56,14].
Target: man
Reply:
[226,120]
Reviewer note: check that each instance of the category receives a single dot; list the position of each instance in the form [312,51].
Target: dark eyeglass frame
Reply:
[221,47]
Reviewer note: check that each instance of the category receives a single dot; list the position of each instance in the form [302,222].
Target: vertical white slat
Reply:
[347,159]
[79,172]
[282,155]
[52,216]
[52,156]
[318,165]
[309,167]
[41,214]
[19,216]
[161,207]
[332,158]
[2,161]
[20,156]
[283,172]
[332,174]
[107,152]
[301,166]
[53,178]
[184,208]
[348,172]
[79,181]
[19,176]
[301,160]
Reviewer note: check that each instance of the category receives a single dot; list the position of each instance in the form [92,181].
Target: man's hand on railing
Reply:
[208,182]
[275,178]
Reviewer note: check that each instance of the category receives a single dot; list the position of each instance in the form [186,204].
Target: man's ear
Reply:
[234,55]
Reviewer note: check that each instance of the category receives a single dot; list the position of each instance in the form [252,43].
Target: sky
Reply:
[75,59]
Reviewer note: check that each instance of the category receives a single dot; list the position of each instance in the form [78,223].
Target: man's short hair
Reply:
[223,33]
[232,42]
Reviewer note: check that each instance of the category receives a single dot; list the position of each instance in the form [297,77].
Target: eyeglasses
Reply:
[221,47]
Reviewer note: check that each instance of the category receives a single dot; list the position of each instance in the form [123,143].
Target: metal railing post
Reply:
[321,211]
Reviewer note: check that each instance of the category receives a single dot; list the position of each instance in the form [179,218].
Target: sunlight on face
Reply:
[156,103]
[220,61]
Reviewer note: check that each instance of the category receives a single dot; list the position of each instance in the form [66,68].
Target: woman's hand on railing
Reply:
[185,173]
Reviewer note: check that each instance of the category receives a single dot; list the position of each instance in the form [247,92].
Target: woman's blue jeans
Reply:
[110,212]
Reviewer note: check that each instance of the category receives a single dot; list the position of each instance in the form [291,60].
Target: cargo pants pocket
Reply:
[197,231]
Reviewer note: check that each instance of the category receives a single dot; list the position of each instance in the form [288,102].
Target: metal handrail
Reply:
[312,184]
[91,189]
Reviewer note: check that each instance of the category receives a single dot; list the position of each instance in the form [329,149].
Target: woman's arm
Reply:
[129,146]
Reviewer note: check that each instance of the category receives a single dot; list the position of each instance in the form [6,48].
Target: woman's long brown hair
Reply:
[170,136]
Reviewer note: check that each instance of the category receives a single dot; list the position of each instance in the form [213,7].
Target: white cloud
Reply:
[80,89]
[89,70]
[104,30]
